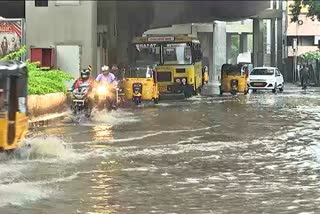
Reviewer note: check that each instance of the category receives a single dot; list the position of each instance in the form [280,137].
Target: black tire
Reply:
[221,91]
[275,89]
[254,90]
[156,101]
[136,101]
[233,92]
[281,89]
[246,92]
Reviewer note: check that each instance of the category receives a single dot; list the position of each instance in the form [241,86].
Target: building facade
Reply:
[68,27]
[306,33]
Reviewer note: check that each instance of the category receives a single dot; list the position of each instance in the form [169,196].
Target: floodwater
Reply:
[258,153]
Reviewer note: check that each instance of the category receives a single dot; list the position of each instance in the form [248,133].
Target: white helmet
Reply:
[105,68]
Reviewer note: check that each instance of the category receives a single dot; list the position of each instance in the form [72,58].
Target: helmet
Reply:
[105,68]
[114,68]
[85,73]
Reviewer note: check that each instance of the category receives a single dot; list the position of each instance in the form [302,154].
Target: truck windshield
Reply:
[177,54]
[263,71]
[147,54]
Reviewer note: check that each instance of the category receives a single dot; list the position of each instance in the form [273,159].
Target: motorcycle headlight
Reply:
[101,90]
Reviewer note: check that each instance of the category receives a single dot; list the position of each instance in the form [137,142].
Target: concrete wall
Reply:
[69,25]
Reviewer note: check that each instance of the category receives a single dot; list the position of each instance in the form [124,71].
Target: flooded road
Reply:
[258,153]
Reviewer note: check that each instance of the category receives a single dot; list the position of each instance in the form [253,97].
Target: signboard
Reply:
[161,39]
[11,35]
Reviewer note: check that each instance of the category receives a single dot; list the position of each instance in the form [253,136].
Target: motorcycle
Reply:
[80,100]
[106,97]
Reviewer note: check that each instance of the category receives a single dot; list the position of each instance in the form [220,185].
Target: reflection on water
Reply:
[245,154]
[102,133]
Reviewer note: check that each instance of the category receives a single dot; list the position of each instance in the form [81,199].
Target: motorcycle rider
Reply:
[85,78]
[106,76]
[109,78]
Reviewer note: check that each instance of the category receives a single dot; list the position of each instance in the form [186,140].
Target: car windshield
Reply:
[262,71]
[147,54]
[177,54]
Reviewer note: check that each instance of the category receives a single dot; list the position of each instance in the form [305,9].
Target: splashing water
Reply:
[114,117]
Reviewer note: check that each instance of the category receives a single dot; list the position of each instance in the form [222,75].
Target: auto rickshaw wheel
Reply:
[156,101]
[246,92]
[233,92]
[221,91]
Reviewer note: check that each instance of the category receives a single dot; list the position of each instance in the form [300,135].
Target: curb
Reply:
[45,120]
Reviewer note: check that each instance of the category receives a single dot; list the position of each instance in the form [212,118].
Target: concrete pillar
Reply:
[206,40]
[219,48]
[228,47]
[258,44]
[280,45]
[219,51]
[243,43]
[273,42]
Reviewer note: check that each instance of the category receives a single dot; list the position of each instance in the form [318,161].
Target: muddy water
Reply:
[246,154]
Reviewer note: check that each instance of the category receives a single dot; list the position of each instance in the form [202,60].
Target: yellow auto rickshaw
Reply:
[234,79]
[13,104]
[140,84]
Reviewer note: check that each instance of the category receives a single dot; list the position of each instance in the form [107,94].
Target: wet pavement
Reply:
[258,153]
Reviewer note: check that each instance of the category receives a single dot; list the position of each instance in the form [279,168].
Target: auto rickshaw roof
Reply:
[12,68]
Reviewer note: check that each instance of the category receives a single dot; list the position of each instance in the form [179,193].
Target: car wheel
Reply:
[275,89]
[281,89]
[254,90]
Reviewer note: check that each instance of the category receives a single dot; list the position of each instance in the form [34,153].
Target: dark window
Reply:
[41,3]
[301,40]
[164,76]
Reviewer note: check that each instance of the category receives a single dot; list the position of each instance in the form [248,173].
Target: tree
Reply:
[313,9]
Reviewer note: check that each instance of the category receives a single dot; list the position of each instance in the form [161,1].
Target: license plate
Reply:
[259,84]
[162,88]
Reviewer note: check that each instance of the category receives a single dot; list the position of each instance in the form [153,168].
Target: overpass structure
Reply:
[104,29]
[171,17]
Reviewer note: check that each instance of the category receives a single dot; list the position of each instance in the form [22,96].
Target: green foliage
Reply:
[235,43]
[313,9]
[40,81]
[310,56]
[15,55]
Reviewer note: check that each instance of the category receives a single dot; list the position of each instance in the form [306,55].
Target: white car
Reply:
[266,78]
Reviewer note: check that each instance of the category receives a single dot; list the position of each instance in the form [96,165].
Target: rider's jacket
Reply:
[79,81]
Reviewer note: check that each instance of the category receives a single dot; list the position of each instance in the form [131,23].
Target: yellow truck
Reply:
[177,60]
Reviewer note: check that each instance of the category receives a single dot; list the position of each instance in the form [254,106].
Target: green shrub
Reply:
[40,81]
